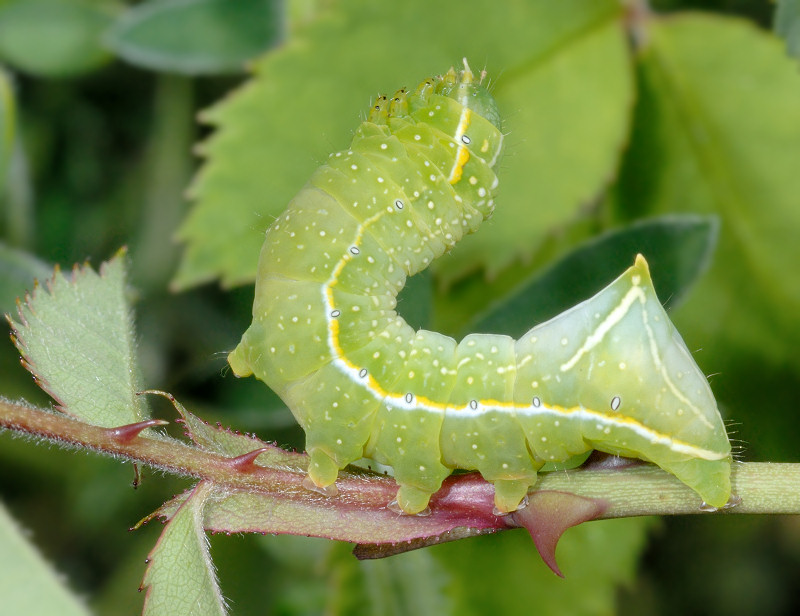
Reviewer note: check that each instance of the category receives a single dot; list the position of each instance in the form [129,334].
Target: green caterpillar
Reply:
[611,374]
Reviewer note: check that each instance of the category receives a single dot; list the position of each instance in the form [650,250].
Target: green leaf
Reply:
[53,38]
[76,337]
[18,269]
[415,300]
[677,248]
[7,124]
[503,574]
[562,80]
[712,136]
[196,36]
[411,583]
[567,115]
[787,25]
[180,577]
[27,584]
[717,130]
[318,576]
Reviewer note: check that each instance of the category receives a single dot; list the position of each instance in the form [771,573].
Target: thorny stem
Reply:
[644,490]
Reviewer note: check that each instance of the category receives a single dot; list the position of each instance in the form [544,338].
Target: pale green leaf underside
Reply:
[787,25]
[53,38]
[180,578]
[7,125]
[76,333]
[214,36]
[27,584]
[718,130]
[562,83]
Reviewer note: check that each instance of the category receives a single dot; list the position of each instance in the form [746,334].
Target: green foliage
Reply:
[180,577]
[787,25]
[62,38]
[215,36]
[463,577]
[83,326]
[678,249]
[6,126]
[708,138]
[27,583]
[600,556]
[17,270]
[53,38]
[560,72]
[698,115]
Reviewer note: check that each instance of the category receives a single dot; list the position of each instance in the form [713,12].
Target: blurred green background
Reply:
[613,113]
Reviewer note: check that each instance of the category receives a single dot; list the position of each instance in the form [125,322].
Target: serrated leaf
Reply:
[677,248]
[76,337]
[53,38]
[180,577]
[562,81]
[567,117]
[196,36]
[27,584]
[787,25]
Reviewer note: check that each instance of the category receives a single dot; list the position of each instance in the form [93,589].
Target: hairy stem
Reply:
[640,490]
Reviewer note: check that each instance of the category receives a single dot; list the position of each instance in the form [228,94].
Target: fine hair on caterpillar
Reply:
[610,374]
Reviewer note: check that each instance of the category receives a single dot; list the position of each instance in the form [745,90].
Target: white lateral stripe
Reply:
[493,162]
[398,401]
[665,375]
[420,402]
[614,317]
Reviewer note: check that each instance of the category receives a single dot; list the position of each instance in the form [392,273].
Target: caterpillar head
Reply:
[463,87]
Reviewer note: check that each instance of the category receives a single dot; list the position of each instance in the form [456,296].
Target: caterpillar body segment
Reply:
[612,373]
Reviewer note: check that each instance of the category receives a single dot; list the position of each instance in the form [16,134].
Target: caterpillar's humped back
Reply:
[611,373]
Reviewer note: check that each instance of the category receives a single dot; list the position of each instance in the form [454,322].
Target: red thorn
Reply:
[247,462]
[549,513]
[125,434]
